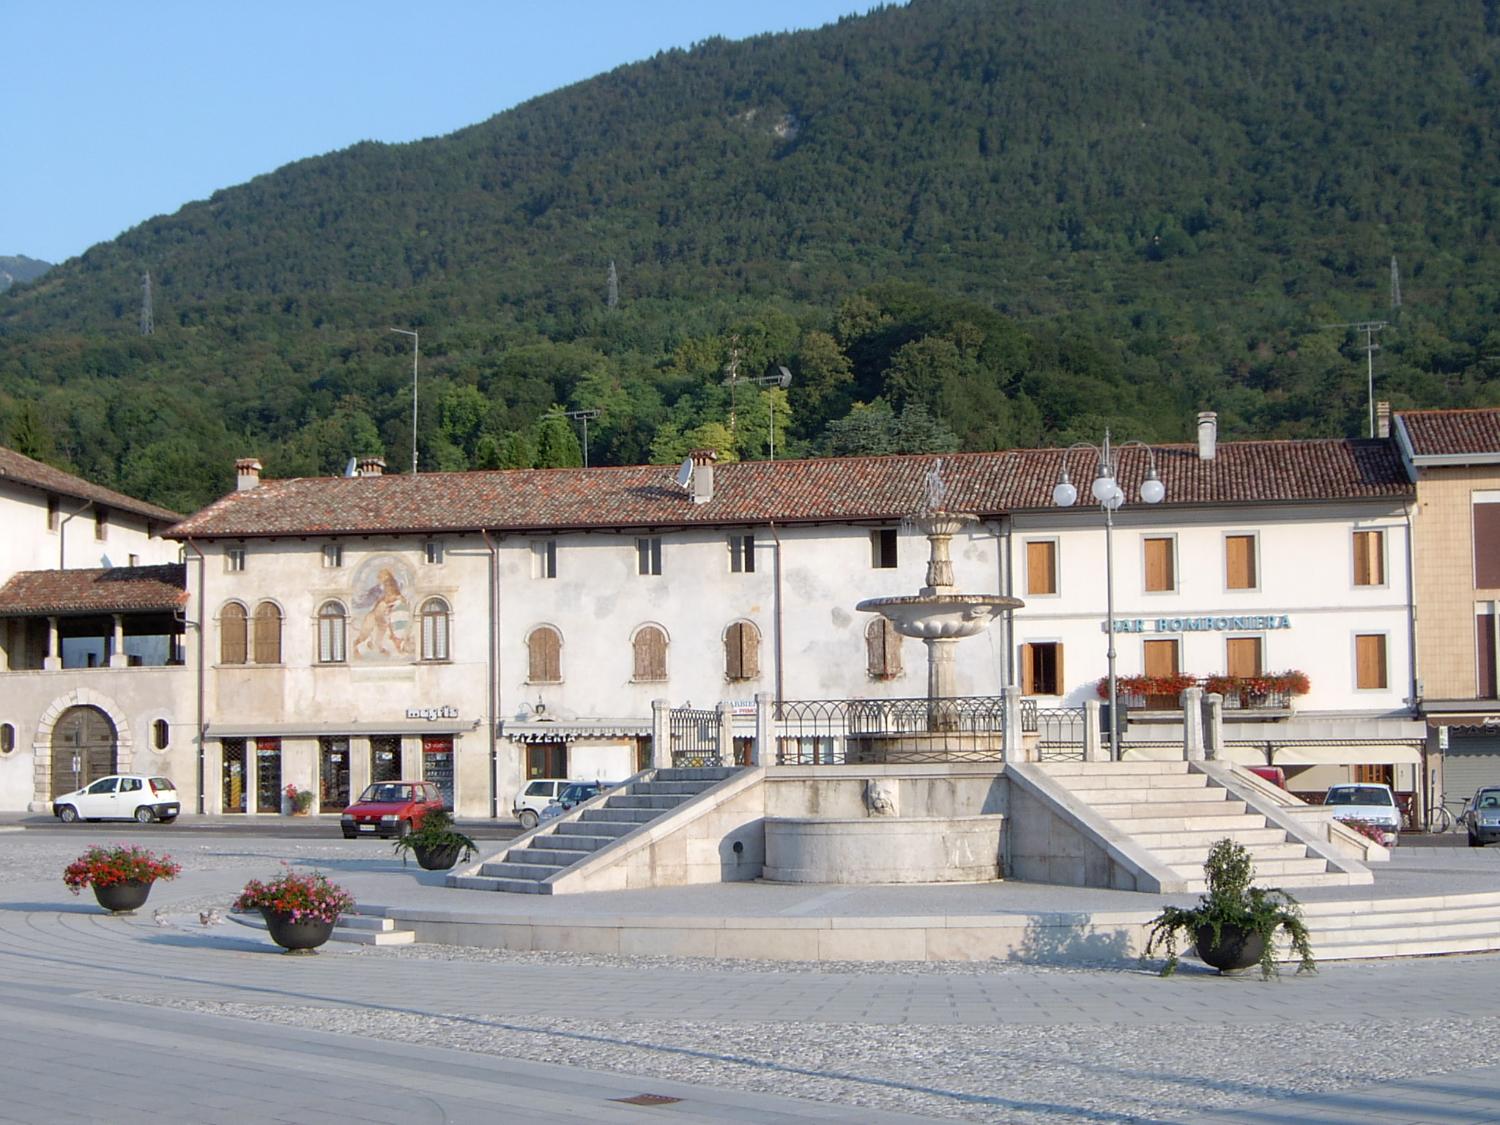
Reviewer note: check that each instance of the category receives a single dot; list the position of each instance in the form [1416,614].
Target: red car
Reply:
[390,808]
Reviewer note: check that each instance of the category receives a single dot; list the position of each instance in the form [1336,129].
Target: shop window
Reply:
[544,558]
[333,773]
[7,738]
[232,775]
[232,634]
[649,650]
[546,759]
[1239,563]
[648,555]
[268,633]
[435,617]
[882,650]
[332,628]
[161,734]
[1041,567]
[385,757]
[268,794]
[544,656]
[742,651]
[1042,668]
[1161,564]
[1370,673]
[1487,540]
[1369,558]
[333,555]
[742,554]
[883,548]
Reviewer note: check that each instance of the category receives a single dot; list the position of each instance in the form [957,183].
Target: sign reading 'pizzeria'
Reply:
[1200,624]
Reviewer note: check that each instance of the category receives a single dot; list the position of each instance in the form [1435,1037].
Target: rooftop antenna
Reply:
[782,379]
[1369,328]
[148,324]
[614,286]
[583,416]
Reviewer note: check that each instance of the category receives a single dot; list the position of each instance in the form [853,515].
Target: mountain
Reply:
[19,267]
[970,222]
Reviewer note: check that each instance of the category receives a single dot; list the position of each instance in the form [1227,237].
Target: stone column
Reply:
[763,753]
[1192,724]
[661,734]
[726,732]
[1213,725]
[117,657]
[53,660]
[1015,739]
[941,680]
[1095,748]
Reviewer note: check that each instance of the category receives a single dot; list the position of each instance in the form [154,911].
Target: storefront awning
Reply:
[1312,752]
[334,730]
[570,730]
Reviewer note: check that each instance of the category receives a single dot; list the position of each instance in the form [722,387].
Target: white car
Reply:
[121,796]
[538,794]
[1370,802]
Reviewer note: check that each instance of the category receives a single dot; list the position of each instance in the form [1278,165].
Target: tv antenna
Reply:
[1369,328]
[583,416]
[782,379]
[148,324]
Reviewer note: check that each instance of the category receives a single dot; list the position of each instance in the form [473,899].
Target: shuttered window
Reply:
[544,656]
[1243,656]
[232,634]
[650,652]
[1239,562]
[268,633]
[882,650]
[435,619]
[1487,541]
[1042,668]
[332,621]
[1369,661]
[1161,570]
[742,651]
[1486,643]
[1159,658]
[1041,566]
[1369,558]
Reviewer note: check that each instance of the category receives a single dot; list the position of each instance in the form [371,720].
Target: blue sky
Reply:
[115,112]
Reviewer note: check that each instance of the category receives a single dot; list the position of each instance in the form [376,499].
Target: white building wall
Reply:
[26,542]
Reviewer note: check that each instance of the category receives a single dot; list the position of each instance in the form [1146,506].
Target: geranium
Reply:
[300,897]
[1368,829]
[104,867]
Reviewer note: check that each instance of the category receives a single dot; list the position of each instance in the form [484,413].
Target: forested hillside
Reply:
[960,223]
[18,267]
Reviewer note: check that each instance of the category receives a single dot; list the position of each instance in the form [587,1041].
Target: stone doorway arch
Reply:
[85,747]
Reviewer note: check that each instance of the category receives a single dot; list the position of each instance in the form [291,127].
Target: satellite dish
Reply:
[786,378]
[351,467]
[685,474]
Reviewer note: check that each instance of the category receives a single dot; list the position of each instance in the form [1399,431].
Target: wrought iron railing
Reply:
[695,738]
[835,731]
[1059,733]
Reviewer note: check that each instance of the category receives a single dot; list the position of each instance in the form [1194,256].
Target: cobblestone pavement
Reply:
[99,1008]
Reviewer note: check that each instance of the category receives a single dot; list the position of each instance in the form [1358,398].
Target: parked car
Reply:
[1274,774]
[1482,817]
[121,796]
[1370,802]
[574,793]
[538,794]
[390,808]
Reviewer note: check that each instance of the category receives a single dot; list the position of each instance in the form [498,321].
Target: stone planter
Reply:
[296,935]
[123,898]
[1236,948]
[439,858]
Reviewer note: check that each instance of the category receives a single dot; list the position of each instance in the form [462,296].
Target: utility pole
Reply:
[1369,328]
[148,325]
[583,416]
[614,286]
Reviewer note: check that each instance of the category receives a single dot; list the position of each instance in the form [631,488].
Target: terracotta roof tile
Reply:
[845,488]
[116,589]
[23,470]
[1442,433]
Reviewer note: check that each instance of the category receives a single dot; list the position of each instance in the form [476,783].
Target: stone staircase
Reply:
[1417,927]
[556,845]
[1178,815]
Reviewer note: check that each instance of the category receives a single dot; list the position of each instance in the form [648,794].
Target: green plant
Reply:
[303,897]
[1233,903]
[104,867]
[437,831]
[300,799]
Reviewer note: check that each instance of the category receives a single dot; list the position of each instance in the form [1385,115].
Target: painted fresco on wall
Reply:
[382,611]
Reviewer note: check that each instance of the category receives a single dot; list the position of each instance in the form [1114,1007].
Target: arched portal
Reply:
[84,748]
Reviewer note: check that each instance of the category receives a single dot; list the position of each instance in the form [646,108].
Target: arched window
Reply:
[544,655]
[7,737]
[742,651]
[332,622]
[268,633]
[161,734]
[435,616]
[232,634]
[882,650]
[650,648]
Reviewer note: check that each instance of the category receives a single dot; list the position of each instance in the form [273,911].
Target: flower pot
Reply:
[296,935]
[1236,948]
[439,858]
[123,898]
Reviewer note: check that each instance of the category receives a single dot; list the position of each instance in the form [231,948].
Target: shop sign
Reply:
[1237,623]
[432,714]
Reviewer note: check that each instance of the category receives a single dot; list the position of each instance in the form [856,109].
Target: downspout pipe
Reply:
[202,602]
[1414,701]
[492,669]
[776,598]
[62,534]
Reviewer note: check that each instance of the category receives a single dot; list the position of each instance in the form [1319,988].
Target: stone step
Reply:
[1141,810]
[1071,769]
[375,922]
[490,883]
[570,842]
[545,857]
[506,870]
[1249,837]
[1222,823]
[682,788]
[612,829]
[1266,869]
[1178,793]
[1150,783]
[1289,882]
[616,816]
[648,801]
[1260,854]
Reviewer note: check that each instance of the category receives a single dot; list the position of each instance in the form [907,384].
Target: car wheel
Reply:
[528,819]
[348,835]
[143,815]
[1475,841]
[67,814]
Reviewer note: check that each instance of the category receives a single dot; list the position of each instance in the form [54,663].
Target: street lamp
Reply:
[1107,492]
[416,347]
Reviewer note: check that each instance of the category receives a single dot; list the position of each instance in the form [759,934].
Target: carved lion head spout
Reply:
[880,798]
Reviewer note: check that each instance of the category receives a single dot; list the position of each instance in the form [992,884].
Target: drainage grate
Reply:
[647,1099]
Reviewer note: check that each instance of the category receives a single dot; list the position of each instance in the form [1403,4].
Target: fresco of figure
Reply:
[385,629]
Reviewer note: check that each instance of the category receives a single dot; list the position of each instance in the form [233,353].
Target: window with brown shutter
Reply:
[544,656]
[650,650]
[742,651]
[1159,658]
[1161,573]
[882,650]
[267,633]
[1487,545]
[1239,562]
[1041,566]
[1486,643]
[1042,668]
[1369,661]
[1242,656]
[1369,558]
[232,634]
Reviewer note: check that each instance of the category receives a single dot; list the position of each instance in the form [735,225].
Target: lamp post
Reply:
[416,347]
[1107,492]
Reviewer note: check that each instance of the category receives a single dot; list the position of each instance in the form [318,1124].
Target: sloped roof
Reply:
[755,492]
[117,589]
[1452,433]
[20,469]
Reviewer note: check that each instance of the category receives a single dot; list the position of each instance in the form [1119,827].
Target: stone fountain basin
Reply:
[930,616]
[883,849]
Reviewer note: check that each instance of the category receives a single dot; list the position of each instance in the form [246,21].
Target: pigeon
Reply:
[160,917]
[210,917]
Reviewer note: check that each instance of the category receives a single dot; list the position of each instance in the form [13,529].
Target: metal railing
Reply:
[1060,733]
[695,738]
[836,731]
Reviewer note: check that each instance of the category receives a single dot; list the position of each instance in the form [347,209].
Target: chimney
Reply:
[370,467]
[703,474]
[1208,434]
[247,471]
[1382,419]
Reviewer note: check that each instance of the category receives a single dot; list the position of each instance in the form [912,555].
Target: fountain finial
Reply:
[937,490]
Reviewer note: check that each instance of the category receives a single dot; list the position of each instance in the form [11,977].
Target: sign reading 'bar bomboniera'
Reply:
[1199,624]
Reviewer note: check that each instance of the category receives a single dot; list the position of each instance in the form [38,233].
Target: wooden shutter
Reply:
[1028,671]
[650,654]
[1487,546]
[1243,656]
[1484,638]
[1159,570]
[1369,558]
[1239,562]
[267,634]
[1369,661]
[1041,566]
[1160,658]
[544,656]
[1057,672]
[742,651]
[882,650]
[232,634]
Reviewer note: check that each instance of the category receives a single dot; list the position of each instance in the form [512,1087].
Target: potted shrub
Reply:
[121,877]
[298,801]
[437,844]
[1234,924]
[300,910]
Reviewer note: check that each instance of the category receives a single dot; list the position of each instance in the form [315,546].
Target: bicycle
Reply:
[1440,818]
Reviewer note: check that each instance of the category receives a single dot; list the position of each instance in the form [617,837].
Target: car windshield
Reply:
[386,793]
[1358,797]
[579,792]
[1488,799]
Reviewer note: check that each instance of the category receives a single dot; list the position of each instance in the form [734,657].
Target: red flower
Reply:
[104,867]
